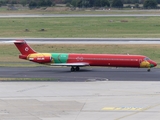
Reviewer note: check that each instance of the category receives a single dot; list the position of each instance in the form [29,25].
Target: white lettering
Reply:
[40,58]
[79,58]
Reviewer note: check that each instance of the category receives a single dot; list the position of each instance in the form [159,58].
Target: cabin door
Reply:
[140,61]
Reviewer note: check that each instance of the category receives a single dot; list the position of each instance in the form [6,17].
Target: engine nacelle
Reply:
[40,57]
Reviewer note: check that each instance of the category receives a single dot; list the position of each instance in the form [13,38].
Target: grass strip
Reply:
[81,27]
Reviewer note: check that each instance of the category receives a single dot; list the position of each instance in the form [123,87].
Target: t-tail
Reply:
[24,48]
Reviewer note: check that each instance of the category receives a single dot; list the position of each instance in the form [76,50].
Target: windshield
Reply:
[146,59]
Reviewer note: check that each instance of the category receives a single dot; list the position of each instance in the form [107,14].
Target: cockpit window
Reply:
[146,59]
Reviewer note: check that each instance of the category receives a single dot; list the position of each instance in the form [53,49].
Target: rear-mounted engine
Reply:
[40,58]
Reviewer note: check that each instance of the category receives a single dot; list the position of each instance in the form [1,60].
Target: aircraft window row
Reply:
[107,59]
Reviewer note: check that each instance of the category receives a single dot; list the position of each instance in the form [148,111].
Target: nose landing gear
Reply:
[75,68]
[149,69]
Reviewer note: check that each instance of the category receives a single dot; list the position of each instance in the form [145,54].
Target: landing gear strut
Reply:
[72,69]
[75,68]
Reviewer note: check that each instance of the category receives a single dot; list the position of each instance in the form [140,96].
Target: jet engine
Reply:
[40,58]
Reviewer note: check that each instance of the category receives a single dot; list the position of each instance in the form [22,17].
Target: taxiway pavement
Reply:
[128,94]
[85,74]
[85,40]
[76,15]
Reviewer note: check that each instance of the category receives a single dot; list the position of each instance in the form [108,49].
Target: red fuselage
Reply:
[109,60]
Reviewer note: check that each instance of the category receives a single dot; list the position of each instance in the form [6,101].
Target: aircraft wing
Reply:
[70,64]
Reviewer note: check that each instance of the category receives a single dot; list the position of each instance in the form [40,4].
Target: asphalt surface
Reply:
[134,95]
[75,15]
[85,74]
[85,40]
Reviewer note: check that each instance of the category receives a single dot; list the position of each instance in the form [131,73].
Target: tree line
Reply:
[113,3]
[83,3]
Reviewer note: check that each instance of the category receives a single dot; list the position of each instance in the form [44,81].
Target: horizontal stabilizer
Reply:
[16,41]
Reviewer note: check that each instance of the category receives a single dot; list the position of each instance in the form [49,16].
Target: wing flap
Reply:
[70,64]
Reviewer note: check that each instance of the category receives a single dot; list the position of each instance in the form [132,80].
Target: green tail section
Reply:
[59,57]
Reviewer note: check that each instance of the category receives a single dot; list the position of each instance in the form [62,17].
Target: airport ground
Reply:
[115,94]
[63,74]
[91,94]
[80,26]
[51,93]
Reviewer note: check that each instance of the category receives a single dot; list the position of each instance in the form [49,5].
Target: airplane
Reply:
[77,60]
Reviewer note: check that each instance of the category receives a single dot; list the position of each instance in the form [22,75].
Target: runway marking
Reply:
[122,108]
[32,88]
[2,112]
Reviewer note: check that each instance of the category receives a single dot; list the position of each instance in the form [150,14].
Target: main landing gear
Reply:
[149,70]
[75,68]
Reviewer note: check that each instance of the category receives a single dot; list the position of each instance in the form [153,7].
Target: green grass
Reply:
[79,27]
[9,53]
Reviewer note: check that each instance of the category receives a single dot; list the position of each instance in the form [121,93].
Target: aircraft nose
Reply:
[153,64]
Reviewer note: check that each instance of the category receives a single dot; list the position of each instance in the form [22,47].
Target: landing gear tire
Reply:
[75,68]
[149,70]
[72,69]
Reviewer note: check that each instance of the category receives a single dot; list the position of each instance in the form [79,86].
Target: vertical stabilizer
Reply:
[23,47]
